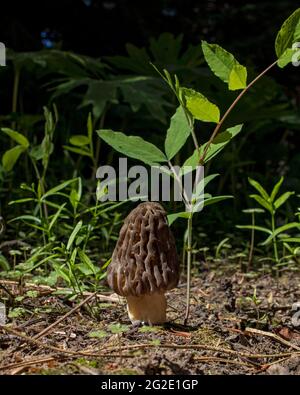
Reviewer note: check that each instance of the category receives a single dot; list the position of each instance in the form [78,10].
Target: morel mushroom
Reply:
[145,264]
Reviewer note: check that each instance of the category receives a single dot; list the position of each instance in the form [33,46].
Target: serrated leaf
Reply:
[79,140]
[237,77]
[219,142]
[16,136]
[133,146]
[11,156]
[177,133]
[288,34]
[224,65]
[200,107]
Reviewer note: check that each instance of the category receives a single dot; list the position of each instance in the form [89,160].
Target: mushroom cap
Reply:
[145,259]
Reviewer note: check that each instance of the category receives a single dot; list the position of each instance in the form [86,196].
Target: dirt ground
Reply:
[239,324]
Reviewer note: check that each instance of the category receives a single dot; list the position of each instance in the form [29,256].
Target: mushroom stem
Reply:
[149,309]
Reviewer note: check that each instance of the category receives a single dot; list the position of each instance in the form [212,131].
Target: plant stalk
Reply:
[231,107]
[251,242]
[15,94]
[274,240]
[189,263]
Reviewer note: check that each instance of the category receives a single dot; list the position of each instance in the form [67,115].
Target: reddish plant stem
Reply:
[234,103]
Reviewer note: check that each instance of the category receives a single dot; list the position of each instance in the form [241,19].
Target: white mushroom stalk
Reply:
[145,264]
[147,309]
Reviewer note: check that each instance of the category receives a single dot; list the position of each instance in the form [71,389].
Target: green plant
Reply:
[271,203]
[194,106]
[252,211]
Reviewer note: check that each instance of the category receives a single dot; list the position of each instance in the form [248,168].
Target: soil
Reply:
[239,324]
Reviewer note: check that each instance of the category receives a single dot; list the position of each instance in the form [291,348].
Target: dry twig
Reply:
[272,336]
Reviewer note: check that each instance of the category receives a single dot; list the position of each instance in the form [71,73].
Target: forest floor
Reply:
[239,324]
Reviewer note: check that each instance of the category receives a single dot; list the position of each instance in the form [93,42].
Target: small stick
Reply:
[108,297]
[203,347]
[50,327]
[38,343]
[26,363]
[273,336]
[140,346]
[223,360]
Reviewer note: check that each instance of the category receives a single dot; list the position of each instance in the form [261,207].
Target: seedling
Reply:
[271,203]
[252,211]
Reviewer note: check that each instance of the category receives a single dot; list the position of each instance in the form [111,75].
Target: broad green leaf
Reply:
[259,188]
[287,57]
[37,152]
[79,140]
[74,234]
[133,146]
[11,156]
[288,34]
[177,133]
[282,199]
[220,141]
[98,94]
[237,77]
[264,203]
[276,190]
[279,230]
[200,107]
[225,66]
[16,136]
